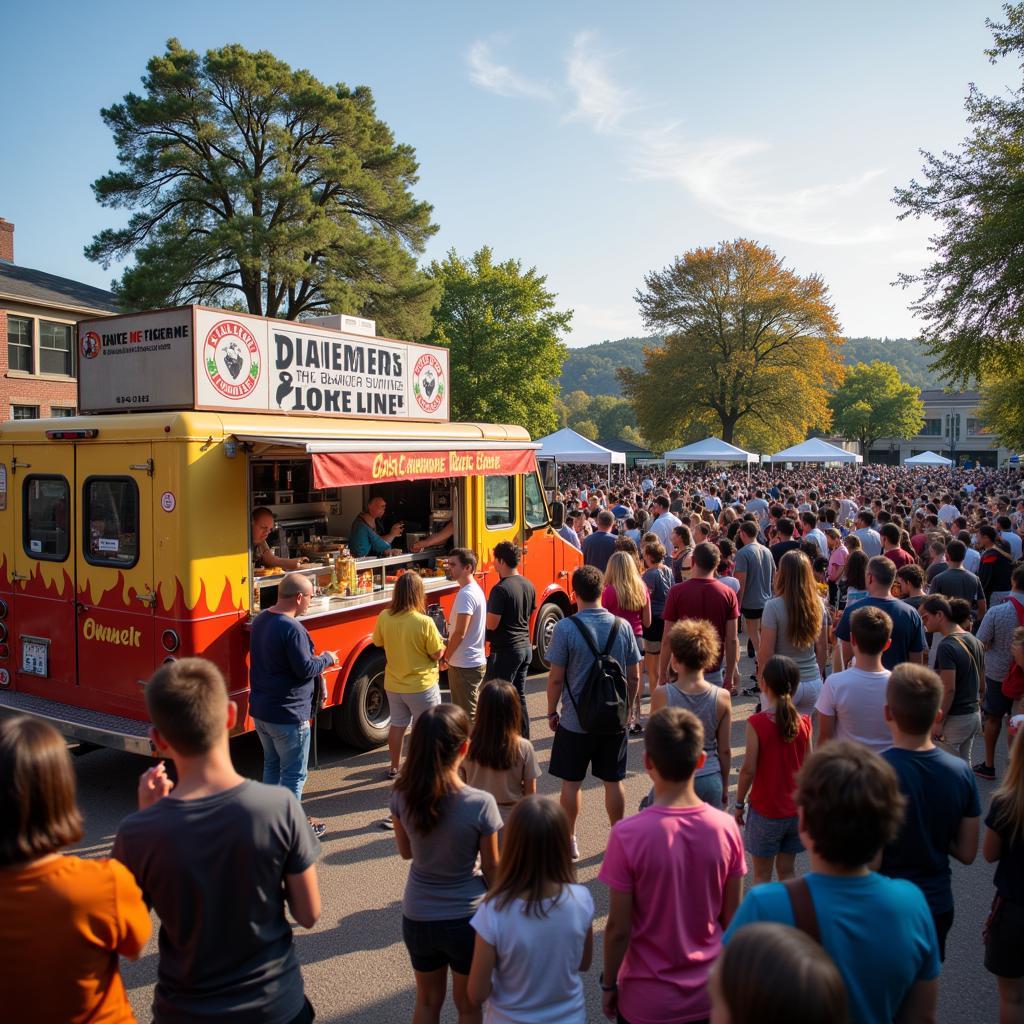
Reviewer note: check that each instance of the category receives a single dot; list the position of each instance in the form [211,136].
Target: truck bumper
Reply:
[81,723]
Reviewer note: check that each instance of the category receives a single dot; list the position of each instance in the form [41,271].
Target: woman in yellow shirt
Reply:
[64,921]
[413,648]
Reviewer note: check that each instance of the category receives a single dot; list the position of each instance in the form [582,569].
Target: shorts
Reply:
[768,837]
[995,704]
[436,944]
[1004,941]
[709,788]
[407,707]
[752,613]
[573,752]
[653,635]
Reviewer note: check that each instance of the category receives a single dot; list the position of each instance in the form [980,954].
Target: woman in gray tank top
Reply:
[694,647]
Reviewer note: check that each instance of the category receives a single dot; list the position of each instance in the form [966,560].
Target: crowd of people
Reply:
[882,614]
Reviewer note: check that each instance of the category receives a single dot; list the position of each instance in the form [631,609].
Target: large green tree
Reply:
[504,332]
[1002,409]
[750,350]
[873,402]
[971,295]
[260,187]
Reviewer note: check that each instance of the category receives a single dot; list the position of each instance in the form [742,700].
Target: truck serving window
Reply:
[499,500]
[46,519]
[535,511]
[110,521]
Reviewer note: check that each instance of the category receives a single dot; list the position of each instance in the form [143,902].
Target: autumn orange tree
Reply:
[751,350]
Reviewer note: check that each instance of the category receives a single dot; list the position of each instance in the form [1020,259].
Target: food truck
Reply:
[125,531]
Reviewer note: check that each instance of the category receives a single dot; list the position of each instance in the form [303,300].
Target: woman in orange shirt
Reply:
[63,920]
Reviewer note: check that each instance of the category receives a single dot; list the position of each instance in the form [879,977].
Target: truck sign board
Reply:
[195,357]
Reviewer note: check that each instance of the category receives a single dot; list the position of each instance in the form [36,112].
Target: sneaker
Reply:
[319,827]
[984,771]
[636,729]
[575,849]
[387,823]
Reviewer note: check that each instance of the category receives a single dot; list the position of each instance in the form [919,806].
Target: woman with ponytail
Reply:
[442,825]
[778,742]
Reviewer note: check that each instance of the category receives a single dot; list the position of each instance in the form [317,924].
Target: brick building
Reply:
[38,313]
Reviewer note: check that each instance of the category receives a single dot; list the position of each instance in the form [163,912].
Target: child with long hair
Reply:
[856,576]
[777,744]
[442,826]
[626,596]
[64,921]
[1004,846]
[501,761]
[534,930]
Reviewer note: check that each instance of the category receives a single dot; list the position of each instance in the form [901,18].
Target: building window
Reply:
[58,411]
[932,427]
[19,344]
[976,427]
[24,412]
[56,349]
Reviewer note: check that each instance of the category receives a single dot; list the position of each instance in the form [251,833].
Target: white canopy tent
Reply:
[928,459]
[711,449]
[567,446]
[815,449]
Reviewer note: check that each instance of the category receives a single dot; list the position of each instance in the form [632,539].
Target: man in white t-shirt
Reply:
[464,652]
[850,705]
[948,511]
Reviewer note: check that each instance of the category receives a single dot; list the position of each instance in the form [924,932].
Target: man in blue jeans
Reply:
[283,671]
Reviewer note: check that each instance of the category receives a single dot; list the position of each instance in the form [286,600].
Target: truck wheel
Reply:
[364,716]
[547,618]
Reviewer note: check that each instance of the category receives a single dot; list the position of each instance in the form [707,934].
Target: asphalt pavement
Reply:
[355,966]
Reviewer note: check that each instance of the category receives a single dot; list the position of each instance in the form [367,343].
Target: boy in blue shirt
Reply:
[943,815]
[878,930]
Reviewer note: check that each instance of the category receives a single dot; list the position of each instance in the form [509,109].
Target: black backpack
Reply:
[603,707]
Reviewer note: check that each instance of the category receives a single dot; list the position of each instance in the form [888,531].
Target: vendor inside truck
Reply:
[367,536]
[262,526]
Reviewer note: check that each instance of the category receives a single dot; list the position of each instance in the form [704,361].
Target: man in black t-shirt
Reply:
[509,608]
[786,527]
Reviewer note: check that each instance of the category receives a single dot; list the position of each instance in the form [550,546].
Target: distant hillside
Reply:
[904,353]
[592,368]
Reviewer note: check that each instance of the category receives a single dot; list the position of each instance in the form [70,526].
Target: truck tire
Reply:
[547,618]
[364,717]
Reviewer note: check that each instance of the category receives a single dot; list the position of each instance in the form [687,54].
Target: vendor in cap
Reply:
[367,535]
[262,526]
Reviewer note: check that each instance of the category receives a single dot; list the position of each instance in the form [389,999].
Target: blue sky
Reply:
[595,141]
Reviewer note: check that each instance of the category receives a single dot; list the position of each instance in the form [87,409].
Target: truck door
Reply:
[497,498]
[41,484]
[116,594]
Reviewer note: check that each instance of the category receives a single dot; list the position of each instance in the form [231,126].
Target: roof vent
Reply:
[346,323]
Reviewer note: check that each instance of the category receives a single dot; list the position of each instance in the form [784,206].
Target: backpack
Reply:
[603,707]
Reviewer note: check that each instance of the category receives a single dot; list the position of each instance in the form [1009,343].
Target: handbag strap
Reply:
[970,654]
[805,917]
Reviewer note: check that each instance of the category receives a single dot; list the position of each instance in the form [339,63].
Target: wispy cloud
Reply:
[592,323]
[486,72]
[736,178]
[599,101]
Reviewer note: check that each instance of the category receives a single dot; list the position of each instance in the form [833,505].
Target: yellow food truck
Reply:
[126,532]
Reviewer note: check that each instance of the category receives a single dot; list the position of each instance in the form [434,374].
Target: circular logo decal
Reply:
[231,359]
[167,501]
[428,382]
[91,345]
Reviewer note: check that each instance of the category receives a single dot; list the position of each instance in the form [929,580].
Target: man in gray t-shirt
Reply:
[574,750]
[755,569]
[217,856]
